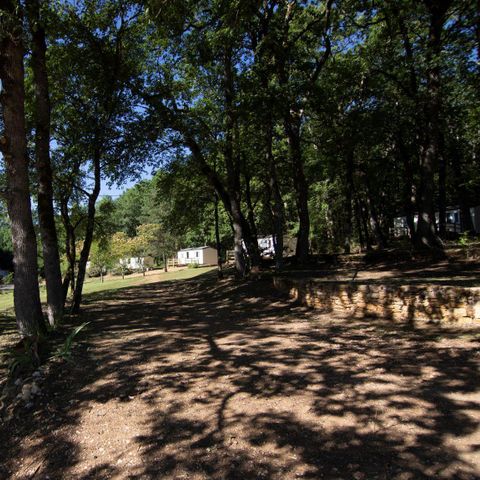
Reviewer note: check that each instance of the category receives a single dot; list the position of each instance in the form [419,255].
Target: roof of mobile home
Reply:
[195,248]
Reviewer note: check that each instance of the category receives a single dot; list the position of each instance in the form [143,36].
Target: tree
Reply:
[210,136]
[95,116]
[432,154]
[101,258]
[51,258]
[121,249]
[13,143]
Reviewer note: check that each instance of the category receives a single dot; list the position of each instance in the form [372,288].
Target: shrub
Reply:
[193,265]
[117,271]
[94,271]
[464,240]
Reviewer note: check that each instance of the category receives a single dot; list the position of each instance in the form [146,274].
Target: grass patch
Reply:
[93,285]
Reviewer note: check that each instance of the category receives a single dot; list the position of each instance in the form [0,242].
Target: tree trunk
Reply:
[466,223]
[46,215]
[248,201]
[377,229]
[365,218]
[28,311]
[240,225]
[217,238]
[231,204]
[348,202]
[292,115]
[165,266]
[358,217]
[442,187]
[292,130]
[87,242]
[426,236]
[408,189]
[374,220]
[277,208]
[69,280]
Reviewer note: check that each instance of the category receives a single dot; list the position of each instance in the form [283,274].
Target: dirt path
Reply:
[206,380]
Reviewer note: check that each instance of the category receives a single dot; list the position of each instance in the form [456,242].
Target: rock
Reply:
[36,374]
[18,382]
[35,390]
[26,392]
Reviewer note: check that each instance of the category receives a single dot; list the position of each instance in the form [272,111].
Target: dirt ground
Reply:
[202,379]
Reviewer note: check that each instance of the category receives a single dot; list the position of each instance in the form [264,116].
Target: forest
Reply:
[346,133]
[321,120]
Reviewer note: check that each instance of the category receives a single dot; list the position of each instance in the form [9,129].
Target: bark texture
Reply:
[46,215]
[426,235]
[13,144]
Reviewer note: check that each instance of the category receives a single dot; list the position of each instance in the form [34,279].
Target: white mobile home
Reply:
[267,248]
[137,263]
[452,220]
[199,255]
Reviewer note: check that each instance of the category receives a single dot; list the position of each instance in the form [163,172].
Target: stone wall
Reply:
[399,302]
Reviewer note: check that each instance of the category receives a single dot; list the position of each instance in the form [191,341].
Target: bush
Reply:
[193,265]
[94,271]
[465,240]
[118,271]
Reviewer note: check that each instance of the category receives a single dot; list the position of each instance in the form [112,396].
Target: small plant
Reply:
[194,265]
[19,361]
[464,240]
[23,356]
[65,350]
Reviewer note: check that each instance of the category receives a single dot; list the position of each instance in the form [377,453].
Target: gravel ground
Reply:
[202,379]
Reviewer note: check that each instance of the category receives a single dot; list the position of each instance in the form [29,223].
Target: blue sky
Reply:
[116,190]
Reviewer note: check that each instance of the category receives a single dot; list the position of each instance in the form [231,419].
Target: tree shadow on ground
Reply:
[207,379]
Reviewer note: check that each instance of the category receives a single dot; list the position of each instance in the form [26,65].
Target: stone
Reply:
[26,392]
[35,390]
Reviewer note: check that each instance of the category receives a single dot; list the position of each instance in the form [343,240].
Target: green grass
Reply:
[94,285]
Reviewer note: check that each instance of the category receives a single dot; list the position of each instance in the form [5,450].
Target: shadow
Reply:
[212,379]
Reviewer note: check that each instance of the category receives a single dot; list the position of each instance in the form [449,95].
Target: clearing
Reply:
[202,379]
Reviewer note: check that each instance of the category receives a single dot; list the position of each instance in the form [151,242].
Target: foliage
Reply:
[120,270]
[65,350]
[8,278]
[319,119]
[101,258]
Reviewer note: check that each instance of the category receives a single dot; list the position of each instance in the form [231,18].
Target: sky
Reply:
[116,190]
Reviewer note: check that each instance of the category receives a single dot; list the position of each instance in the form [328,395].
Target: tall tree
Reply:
[13,143]
[97,51]
[287,47]
[432,154]
[46,214]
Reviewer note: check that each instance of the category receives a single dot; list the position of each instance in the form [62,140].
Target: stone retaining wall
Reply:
[399,302]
